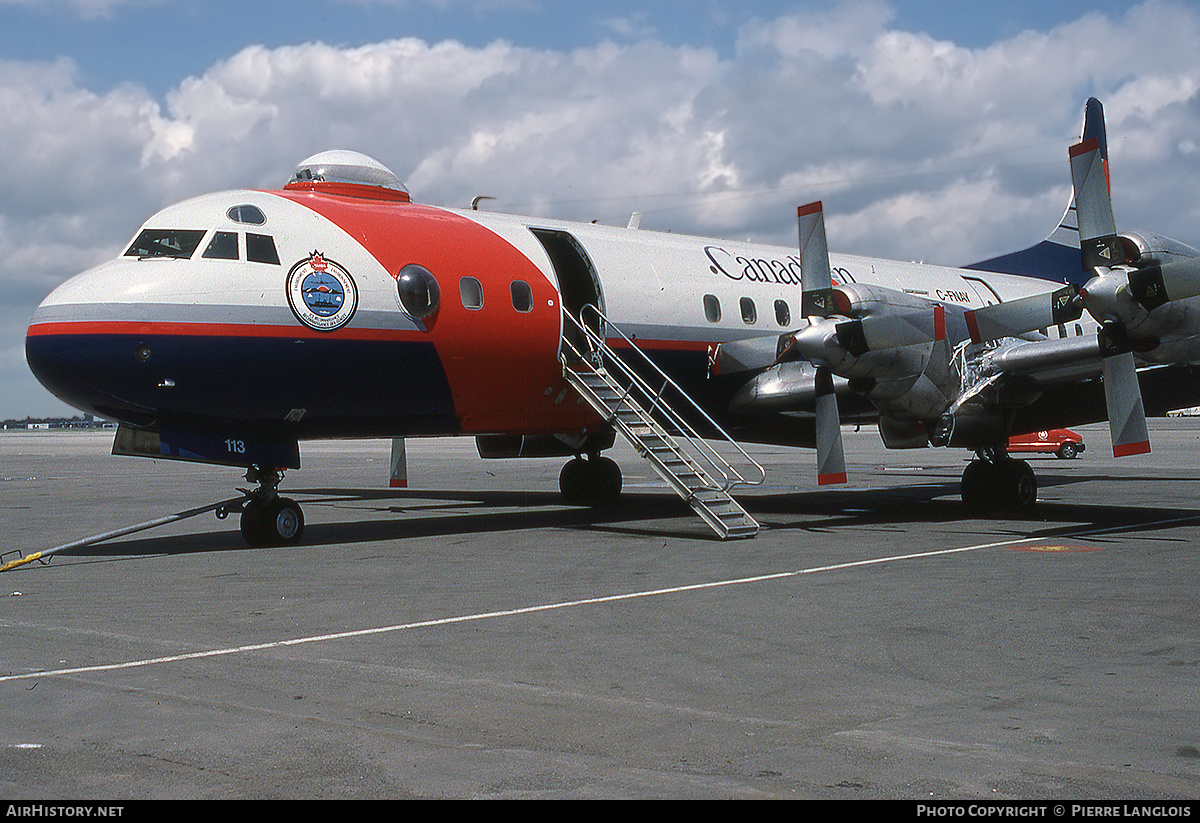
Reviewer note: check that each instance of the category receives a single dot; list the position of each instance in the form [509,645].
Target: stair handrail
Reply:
[710,455]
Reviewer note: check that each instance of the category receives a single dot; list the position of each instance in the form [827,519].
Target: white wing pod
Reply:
[784,387]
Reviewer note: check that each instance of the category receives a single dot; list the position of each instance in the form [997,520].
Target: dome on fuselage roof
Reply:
[345,166]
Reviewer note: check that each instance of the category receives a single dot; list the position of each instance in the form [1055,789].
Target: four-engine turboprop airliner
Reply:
[236,325]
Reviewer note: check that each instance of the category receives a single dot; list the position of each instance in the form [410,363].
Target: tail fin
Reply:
[1057,257]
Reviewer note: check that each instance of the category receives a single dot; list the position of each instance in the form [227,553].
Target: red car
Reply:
[1062,442]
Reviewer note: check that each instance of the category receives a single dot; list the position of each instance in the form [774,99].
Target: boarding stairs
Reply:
[696,470]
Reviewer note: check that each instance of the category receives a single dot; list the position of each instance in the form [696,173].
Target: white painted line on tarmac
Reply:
[569,604]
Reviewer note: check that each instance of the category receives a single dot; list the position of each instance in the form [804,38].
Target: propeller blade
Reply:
[831,460]
[816,283]
[1098,241]
[892,331]
[1126,414]
[1013,318]
[1157,284]
[1100,251]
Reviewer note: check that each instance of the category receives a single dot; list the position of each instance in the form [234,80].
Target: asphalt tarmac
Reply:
[472,637]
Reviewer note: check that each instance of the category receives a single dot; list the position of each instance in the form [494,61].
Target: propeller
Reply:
[1013,318]
[831,460]
[1126,414]
[1107,297]
[817,304]
[892,331]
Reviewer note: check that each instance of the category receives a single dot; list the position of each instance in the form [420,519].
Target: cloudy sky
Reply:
[932,130]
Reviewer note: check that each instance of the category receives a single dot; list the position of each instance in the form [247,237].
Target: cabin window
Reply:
[471,292]
[749,313]
[712,308]
[260,248]
[783,314]
[522,296]
[223,246]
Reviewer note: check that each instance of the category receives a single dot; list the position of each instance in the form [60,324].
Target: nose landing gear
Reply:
[267,518]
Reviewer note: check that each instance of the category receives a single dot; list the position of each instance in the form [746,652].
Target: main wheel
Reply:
[977,492]
[607,481]
[1020,485]
[573,482]
[594,482]
[1008,485]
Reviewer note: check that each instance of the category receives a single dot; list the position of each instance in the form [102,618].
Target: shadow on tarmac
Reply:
[446,513]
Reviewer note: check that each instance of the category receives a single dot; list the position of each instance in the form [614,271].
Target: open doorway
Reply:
[578,283]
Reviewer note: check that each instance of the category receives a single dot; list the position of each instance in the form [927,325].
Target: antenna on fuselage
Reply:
[475,202]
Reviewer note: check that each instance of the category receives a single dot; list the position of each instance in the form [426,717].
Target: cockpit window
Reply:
[247,214]
[178,243]
[260,248]
[223,246]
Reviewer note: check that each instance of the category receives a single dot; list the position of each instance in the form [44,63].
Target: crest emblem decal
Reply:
[321,293]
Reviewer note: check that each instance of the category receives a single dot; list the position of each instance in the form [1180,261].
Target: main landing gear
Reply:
[592,482]
[995,481]
[267,518]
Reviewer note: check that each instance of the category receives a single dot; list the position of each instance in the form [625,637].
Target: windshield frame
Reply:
[177,244]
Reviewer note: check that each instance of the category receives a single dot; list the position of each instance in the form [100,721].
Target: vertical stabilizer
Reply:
[1057,257]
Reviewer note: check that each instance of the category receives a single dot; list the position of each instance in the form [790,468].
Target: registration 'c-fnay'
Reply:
[237,325]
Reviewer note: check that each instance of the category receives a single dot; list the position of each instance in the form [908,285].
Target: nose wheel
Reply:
[267,518]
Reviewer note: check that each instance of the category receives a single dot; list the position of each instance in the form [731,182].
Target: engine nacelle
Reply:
[1143,248]
[858,300]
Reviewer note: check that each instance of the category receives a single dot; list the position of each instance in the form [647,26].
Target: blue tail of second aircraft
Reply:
[1057,257]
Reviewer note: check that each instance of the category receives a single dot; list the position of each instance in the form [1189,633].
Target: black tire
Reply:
[1067,451]
[1020,485]
[573,482]
[606,481]
[278,523]
[978,496]
[285,522]
[594,482]
[253,524]
[1009,485]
